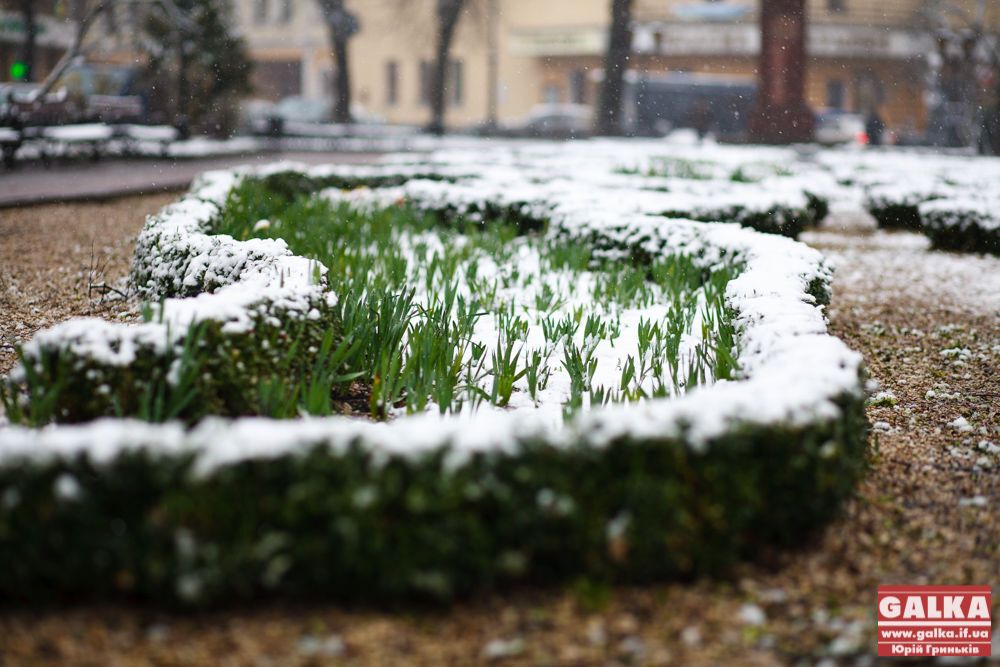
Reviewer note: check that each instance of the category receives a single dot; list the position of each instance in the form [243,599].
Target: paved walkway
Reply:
[33,184]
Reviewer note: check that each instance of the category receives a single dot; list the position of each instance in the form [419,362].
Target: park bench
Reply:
[136,138]
[90,138]
[10,141]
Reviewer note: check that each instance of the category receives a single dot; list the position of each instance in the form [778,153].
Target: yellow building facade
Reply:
[511,55]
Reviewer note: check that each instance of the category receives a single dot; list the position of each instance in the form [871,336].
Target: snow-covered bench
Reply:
[62,139]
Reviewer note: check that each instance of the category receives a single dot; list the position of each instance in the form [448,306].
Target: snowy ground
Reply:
[873,263]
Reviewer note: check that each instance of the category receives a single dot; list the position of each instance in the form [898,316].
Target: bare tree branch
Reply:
[93,11]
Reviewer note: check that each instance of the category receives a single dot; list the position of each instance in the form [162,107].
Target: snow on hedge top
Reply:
[909,177]
[795,371]
[961,211]
[177,256]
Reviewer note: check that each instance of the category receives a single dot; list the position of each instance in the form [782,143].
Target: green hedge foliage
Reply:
[356,523]
[962,230]
[206,371]
[894,215]
[359,526]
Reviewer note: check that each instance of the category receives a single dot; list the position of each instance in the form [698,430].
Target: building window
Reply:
[425,82]
[835,94]
[392,83]
[578,86]
[260,12]
[456,68]
[277,79]
[837,6]
[869,92]
[287,10]
[454,88]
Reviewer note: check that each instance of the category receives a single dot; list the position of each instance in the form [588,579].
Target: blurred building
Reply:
[511,55]
[52,37]
[111,39]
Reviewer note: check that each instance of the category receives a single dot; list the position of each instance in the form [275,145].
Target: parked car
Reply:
[840,127]
[546,121]
[558,121]
[108,93]
[304,110]
[255,116]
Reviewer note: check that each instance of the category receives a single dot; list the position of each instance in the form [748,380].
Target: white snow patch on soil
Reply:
[888,262]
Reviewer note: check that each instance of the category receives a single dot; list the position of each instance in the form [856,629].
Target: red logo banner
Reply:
[929,621]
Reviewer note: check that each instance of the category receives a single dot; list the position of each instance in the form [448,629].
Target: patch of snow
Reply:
[902,262]
[87,132]
[751,614]
[961,424]
[499,649]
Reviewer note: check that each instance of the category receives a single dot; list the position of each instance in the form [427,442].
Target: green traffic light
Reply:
[19,71]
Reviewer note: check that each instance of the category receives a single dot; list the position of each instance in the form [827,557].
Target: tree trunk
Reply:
[342,25]
[182,120]
[341,78]
[448,12]
[492,65]
[30,38]
[609,112]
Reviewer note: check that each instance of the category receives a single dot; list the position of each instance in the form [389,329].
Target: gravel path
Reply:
[57,261]
[928,324]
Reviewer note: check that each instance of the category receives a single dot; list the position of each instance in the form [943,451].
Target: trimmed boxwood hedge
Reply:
[895,215]
[954,225]
[224,380]
[818,205]
[358,522]
[782,220]
[357,525]
[963,223]
[288,184]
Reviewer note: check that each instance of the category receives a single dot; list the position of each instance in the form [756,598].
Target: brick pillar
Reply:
[781,115]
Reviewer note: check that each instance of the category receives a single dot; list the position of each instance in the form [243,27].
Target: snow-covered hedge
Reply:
[738,187]
[958,216]
[425,505]
[951,199]
[963,223]
[242,337]
[895,206]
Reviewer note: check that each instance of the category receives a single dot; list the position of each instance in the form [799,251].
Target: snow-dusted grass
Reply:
[434,504]
[428,317]
[488,311]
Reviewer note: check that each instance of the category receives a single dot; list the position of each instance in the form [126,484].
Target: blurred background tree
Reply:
[447,13]
[616,60]
[197,70]
[29,17]
[342,25]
